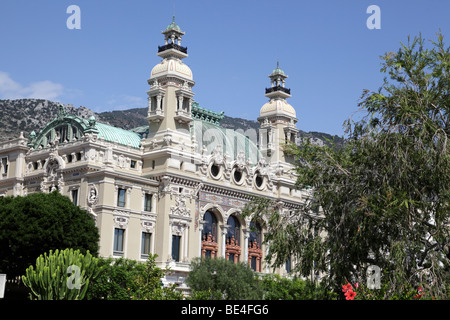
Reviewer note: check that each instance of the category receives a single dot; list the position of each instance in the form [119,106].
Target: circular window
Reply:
[215,170]
[259,181]
[237,176]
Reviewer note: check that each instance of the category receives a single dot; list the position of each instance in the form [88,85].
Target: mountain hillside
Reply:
[33,114]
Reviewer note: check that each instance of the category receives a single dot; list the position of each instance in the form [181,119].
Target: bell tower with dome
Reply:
[168,140]
[170,94]
[277,119]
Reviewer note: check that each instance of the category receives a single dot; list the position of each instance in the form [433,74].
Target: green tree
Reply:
[126,279]
[61,275]
[38,223]
[384,197]
[276,287]
[221,279]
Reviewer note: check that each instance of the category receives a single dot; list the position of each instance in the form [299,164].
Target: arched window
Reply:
[232,248]
[210,226]
[233,228]
[254,247]
[209,235]
[255,233]
[63,133]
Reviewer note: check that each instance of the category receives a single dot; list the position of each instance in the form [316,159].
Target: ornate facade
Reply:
[175,187]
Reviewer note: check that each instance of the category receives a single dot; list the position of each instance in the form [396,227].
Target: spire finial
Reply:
[278,64]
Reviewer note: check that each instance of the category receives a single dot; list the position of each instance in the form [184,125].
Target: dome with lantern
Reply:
[277,105]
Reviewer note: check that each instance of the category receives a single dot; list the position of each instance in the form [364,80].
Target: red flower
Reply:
[347,287]
[419,292]
[350,295]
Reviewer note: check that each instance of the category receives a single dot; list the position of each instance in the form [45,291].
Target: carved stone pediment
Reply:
[180,209]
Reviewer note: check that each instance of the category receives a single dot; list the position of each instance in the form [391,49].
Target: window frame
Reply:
[146,244]
[148,202]
[121,203]
[176,248]
[119,241]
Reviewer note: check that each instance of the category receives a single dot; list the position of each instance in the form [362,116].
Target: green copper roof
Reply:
[173,25]
[206,115]
[232,142]
[277,70]
[113,134]
[71,127]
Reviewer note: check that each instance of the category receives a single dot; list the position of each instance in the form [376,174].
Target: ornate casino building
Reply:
[175,187]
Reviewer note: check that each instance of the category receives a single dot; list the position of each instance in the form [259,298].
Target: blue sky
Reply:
[324,46]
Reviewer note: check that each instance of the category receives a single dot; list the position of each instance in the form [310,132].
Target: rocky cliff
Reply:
[26,115]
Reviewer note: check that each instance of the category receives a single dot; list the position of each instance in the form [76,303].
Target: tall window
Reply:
[209,235]
[253,263]
[232,248]
[121,197]
[288,265]
[254,247]
[210,226]
[148,202]
[255,233]
[176,241]
[118,241]
[233,228]
[75,196]
[145,244]
[4,166]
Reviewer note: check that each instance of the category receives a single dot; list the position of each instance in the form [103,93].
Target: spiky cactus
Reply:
[61,275]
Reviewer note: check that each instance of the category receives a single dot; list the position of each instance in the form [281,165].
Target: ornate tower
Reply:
[170,94]
[277,119]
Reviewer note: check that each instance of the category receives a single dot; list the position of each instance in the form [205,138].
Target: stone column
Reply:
[246,236]
[224,236]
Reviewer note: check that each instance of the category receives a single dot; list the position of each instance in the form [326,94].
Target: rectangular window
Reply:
[231,257]
[121,198]
[288,265]
[118,241]
[253,263]
[133,164]
[148,202]
[4,165]
[75,196]
[145,245]
[176,240]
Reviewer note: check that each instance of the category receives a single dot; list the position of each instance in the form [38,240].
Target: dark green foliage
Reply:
[125,279]
[116,281]
[277,288]
[384,197]
[221,279]
[38,223]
